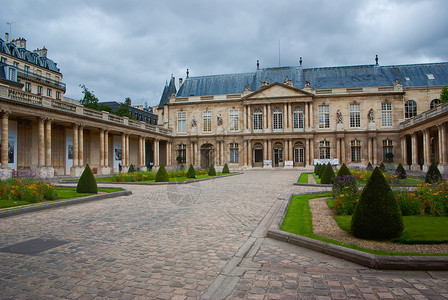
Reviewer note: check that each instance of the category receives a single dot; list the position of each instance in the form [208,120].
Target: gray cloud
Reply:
[129,49]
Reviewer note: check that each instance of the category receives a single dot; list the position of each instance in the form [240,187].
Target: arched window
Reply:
[298,118]
[258,119]
[410,109]
[278,118]
[434,103]
[356,150]
[299,152]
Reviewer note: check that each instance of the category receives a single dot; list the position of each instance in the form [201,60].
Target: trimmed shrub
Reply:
[87,182]
[211,171]
[131,169]
[382,167]
[321,170]
[344,170]
[400,172]
[433,175]
[377,215]
[316,168]
[327,175]
[182,167]
[369,166]
[162,175]
[225,169]
[191,173]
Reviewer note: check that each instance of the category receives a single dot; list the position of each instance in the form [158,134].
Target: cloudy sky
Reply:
[130,48]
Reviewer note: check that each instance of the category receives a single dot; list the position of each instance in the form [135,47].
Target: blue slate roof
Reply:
[167,92]
[28,56]
[319,78]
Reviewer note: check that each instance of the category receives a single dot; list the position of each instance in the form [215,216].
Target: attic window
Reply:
[407,78]
[430,76]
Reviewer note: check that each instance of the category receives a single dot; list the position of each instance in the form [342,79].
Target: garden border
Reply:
[372,261]
[28,209]
[162,183]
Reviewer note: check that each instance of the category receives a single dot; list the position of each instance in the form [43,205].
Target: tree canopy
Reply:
[444,95]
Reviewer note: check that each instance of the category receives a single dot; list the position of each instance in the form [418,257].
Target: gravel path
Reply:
[325,225]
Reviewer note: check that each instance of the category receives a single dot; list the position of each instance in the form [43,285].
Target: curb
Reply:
[164,183]
[24,210]
[362,258]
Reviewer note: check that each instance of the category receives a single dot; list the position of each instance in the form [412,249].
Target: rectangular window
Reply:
[234,153]
[355,115]
[258,119]
[15,64]
[12,74]
[356,150]
[26,70]
[234,120]
[58,96]
[324,116]
[388,147]
[207,121]
[278,119]
[49,92]
[182,122]
[182,153]
[3,60]
[386,114]
[324,150]
[28,87]
[39,90]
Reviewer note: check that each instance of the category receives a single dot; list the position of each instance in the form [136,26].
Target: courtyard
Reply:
[200,240]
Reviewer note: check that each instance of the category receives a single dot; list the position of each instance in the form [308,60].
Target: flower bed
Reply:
[149,176]
[27,190]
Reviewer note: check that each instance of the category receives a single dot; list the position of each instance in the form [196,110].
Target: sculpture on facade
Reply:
[307,85]
[219,120]
[247,88]
[339,116]
[265,82]
[287,81]
[371,116]
[193,122]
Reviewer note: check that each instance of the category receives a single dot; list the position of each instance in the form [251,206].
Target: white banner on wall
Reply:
[117,151]
[12,144]
[68,150]
[332,161]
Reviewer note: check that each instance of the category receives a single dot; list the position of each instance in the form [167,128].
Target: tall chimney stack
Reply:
[20,42]
[41,52]
[6,37]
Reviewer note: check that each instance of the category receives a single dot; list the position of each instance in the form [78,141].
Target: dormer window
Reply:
[430,76]
[407,78]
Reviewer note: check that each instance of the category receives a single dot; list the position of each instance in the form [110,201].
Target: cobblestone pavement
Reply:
[202,240]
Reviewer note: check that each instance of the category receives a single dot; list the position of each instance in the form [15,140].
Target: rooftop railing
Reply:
[41,78]
[436,111]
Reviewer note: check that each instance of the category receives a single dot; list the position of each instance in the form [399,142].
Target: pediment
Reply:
[277,90]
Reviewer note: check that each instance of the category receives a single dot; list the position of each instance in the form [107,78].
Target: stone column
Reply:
[311,152]
[286,116]
[41,143]
[426,149]
[81,145]
[369,149]
[222,152]
[286,157]
[192,153]
[265,116]
[338,150]
[249,153]
[123,149]
[249,118]
[106,148]
[48,143]
[156,152]
[128,159]
[307,152]
[375,150]
[270,151]
[343,150]
[311,116]
[244,117]
[5,133]
[305,116]
[169,154]
[140,151]
[269,118]
[75,146]
[196,155]
[265,150]
[444,145]
[414,153]
[144,152]
[440,144]
[245,153]
[404,154]
[101,147]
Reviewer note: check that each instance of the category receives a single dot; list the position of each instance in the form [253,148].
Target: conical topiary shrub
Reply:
[316,168]
[382,167]
[400,172]
[377,215]
[344,171]
[433,175]
[131,169]
[191,173]
[321,170]
[328,175]
[162,175]
[369,166]
[225,169]
[87,182]
[211,171]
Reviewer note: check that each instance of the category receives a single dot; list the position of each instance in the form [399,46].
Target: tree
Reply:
[377,215]
[191,173]
[444,95]
[433,175]
[89,100]
[87,182]
[123,109]
[327,175]
[344,170]
[162,175]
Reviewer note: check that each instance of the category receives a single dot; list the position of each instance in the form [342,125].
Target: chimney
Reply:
[180,81]
[188,73]
[300,61]
[41,52]
[258,64]
[20,42]
[6,37]
[376,59]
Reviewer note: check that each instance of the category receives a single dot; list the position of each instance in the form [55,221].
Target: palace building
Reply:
[272,117]
[296,117]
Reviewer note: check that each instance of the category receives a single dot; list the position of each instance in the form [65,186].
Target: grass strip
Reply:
[172,179]
[298,220]
[303,178]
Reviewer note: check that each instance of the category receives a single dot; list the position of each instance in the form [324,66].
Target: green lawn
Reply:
[298,220]
[64,193]
[303,178]
[418,229]
[173,179]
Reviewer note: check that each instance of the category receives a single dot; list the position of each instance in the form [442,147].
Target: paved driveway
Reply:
[187,241]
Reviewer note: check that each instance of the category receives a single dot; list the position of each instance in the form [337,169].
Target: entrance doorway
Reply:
[258,155]
[299,154]
[278,155]
[207,156]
